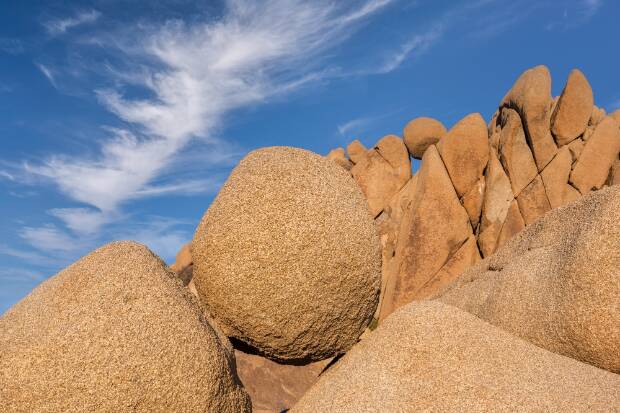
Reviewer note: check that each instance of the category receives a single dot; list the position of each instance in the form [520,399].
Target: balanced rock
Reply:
[557,283]
[465,152]
[383,172]
[421,133]
[287,258]
[531,98]
[431,357]
[115,331]
[573,110]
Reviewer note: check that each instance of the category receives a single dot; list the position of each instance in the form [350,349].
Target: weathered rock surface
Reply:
[616,116]
[598,155]
[433,228]
[433,357]
[275,387]
[383,172]
[115,331]
[574,108]
[533,201]
[337,155]
[514,153]
[421,133]
[556,284]
[465,152]
[472,202]
[183,258]
[357,151]
[287,258]
[555,178]
[531,98]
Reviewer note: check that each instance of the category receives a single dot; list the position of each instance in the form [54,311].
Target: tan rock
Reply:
[465,152]
[357,151]
[533,201]
[433,228]
[430,357]
[555,178]
[183,258]
[383,172]
[421,133]
[575,148]
[515,154]
[513,224]
[531,97]
[275,387]
[115,331]
[287,258]
[497,199]
[616,116]
[598,114]
[573,110]
[337,155]
[472,202]
[599,154]
[556,284]
[614,175]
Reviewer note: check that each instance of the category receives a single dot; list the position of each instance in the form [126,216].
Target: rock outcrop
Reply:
[287,259]
[556,284]
[114,331]
[536,154]
[430,356]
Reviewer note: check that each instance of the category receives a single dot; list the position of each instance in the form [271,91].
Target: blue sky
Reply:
[121,119]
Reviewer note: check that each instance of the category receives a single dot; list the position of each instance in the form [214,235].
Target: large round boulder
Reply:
[116,332]
[287,258]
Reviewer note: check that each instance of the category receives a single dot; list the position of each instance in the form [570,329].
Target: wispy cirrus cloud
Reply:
[418,44]
[195,74]
[48,73]
[60,26]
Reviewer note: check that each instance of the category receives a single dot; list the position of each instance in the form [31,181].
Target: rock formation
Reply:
[429,356]
[115,331]
[287,259]
[537,154]
[556,284]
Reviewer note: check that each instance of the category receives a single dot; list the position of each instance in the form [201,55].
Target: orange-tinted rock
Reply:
[356,151]
[513,224]
[472,202]
[598,114]
[383,172]
[515,154]
[598,155]
[497,198]
[183,258]
[573,110]
[531,97]
[616,116]
[337,155]
[465,152]
[614,174]
[420,133]
[433,228]
[275,387]
[533,202]
[555,177]
[575,148]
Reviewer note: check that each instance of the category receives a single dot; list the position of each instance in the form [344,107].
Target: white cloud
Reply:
[60,26]
[354,126]
[48,73]
[48,238]
[197,74]
[163,236]
[83,221]
[6,175]
[418,43]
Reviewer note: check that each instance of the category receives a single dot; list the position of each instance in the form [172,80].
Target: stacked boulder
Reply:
[477,185]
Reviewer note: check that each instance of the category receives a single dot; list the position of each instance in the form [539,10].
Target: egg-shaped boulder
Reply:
[115,332]
[287,258]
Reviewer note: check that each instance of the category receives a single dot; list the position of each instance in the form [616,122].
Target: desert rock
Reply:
[433,357]
[573,110]
[421,133]
[356,151]
[115,331]
[337,155]
[556,284]
[287,258]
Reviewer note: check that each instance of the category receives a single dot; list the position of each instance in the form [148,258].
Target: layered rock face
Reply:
[287,259]
[430,356]
[477,186]
[115,331]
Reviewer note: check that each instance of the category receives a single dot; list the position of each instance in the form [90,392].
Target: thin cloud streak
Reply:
[60,26]
[48,73]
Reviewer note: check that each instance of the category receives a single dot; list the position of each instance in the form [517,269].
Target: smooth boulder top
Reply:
[115,331]
[429,356]
[287,258]
[421,133]
[557,283]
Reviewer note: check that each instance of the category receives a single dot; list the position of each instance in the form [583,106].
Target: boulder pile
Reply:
[487,280]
